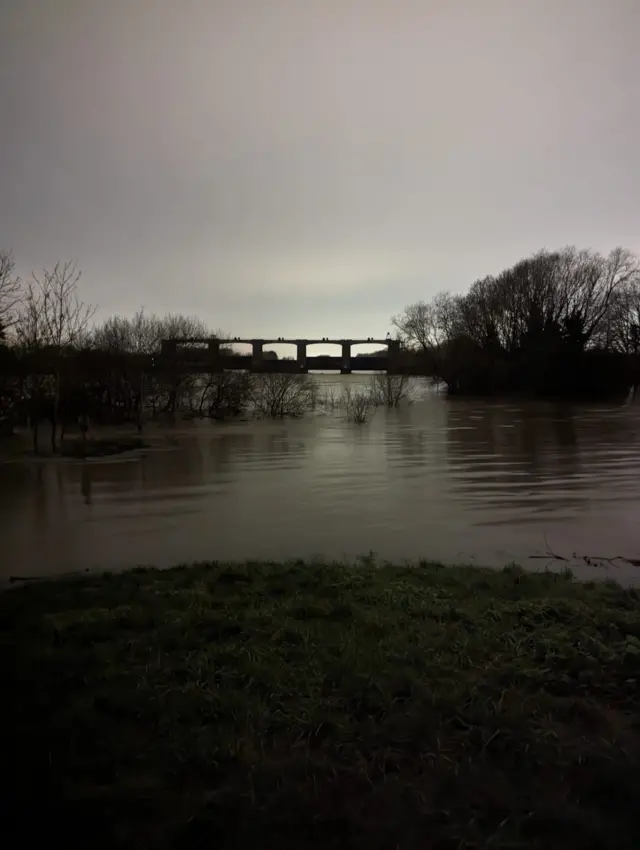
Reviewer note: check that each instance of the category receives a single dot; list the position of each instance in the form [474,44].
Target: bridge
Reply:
[211,353]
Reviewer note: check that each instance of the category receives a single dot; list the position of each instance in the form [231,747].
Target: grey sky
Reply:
[308,167]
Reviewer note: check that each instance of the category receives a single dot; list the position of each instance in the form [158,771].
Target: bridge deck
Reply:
[210,354]
[278,340]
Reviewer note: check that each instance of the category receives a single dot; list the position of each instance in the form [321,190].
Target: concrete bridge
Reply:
[207,355]
[212,351]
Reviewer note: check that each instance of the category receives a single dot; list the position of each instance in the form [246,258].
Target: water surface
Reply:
[450,480]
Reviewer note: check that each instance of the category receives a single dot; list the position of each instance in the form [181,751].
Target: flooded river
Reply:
[459,481]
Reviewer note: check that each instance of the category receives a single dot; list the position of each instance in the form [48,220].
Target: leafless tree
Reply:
[533,324]
[568,293]
[426,325]
[52,319]
[358,403]
[52,315]
[586,287]
[10,293]
[276,395]
[122,335]
[622,331]
[417,325]
[143,334]
[389,390]
[329,399]
[224,393]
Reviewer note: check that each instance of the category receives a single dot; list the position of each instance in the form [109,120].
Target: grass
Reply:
[308,705]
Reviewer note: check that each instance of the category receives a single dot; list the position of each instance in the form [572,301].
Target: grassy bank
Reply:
[301,706]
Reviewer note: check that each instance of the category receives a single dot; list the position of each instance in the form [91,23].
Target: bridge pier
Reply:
[302,356]
[393,357]
[346,358]
[213,349]
[256,355]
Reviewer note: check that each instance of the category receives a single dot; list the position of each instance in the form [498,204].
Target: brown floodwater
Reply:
[458,481]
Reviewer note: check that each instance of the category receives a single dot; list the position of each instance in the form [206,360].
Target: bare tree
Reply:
[389,390]
[143,334]
[358,403]
[623,320]
[52,319]
[417,325]
[224,393]
[52,315]
[117,335]
[181,388]
[426,325]
[277,395]
[10,293]
[550,323]
[329,399]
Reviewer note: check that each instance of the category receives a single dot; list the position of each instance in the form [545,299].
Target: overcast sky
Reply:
[308,167]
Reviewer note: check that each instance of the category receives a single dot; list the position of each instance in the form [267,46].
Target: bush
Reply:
[278,395]
[358,403]
[389,390]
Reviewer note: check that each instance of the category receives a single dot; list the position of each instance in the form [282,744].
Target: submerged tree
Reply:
[276,395]
[164,391]
[389,390]
[358,403]
[225,393]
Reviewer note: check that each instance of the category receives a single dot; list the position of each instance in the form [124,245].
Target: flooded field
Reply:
[458,481]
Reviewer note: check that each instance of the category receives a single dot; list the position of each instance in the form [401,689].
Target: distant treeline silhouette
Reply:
[59,368]
[558,324]
[561,324]
[92,378]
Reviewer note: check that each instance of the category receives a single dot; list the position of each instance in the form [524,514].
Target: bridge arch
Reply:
[324,356]
[365,355]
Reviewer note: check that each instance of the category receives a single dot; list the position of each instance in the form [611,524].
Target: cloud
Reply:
[312,164]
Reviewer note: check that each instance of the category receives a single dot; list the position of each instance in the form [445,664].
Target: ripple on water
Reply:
[442,479]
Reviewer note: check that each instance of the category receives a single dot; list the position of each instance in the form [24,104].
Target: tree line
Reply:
[96,377]
[560,323]
[557,324]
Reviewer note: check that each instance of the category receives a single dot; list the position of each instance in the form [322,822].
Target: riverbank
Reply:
[101,446]
[309,705]
[19,446]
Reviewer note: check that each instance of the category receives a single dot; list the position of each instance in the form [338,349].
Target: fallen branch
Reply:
[635,562]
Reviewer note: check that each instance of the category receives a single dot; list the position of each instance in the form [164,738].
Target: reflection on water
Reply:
[451,480]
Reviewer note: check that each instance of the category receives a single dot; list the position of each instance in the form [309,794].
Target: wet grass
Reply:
[299,706]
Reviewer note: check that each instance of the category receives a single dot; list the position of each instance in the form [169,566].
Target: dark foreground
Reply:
[298,706]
